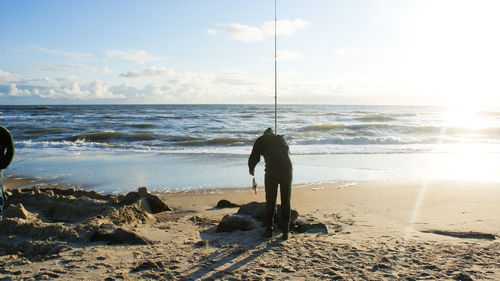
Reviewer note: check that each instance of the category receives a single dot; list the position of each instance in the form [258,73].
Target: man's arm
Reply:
[6,148]
[255,156]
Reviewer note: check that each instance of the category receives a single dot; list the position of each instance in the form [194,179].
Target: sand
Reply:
[404,230]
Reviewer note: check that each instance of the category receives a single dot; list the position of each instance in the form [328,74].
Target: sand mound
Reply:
[50,219]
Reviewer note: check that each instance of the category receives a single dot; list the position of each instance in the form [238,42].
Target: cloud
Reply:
[67,88]
[284,27]
[149,72]
[137,56]
[245,33]
[235,78]
[211,31]
[15,92]
[66,67]
[105,71]
[74,55]
[286,55]
[6,76]
[240,32]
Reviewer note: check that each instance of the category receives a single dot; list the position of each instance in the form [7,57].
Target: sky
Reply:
[401,52]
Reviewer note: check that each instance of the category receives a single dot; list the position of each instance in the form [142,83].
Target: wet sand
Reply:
[401,230]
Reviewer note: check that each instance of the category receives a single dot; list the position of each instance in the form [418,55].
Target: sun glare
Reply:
[469,118]
[453,51]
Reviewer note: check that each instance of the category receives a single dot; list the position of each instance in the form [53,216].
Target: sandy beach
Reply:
[405,230]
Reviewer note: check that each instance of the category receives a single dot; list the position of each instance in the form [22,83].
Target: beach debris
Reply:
[143,191]
[46,275]
[148,265]
[201,243]
[258,211]
[255,185]
[17,211]
[311,228]
[467,234]
[225,204]
[118,236]
[148,201]
[462,277]
[203,221]
[235,222]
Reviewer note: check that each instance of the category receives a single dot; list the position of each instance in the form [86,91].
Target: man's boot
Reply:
[269,232]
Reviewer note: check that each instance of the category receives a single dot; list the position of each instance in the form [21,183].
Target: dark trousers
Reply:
[271,185]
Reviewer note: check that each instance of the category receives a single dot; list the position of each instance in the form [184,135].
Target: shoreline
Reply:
[413,229]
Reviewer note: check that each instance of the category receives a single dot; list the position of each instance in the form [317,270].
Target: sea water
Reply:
[116,148]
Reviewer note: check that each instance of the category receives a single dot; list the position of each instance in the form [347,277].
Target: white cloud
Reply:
[6,76]
[284,27]
[137,56]
[67,88]
[248,33]
[211,31]
[286,55]
[15,92]
[149,72]
[74,55]
[106,70]
[240,32]
[66,67]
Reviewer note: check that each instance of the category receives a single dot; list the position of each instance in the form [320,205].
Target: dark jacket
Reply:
[276,154]
[6,148]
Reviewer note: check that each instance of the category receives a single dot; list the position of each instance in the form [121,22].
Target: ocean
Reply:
[116,148]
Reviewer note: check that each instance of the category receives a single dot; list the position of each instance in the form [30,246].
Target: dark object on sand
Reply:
[258,211]
[155,203]
[462,277]
[226,204]
[148,265]
[457,234]
[235,222]
[311,228]
[118,236]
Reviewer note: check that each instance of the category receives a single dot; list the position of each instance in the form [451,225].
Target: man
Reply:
[278,171]
[6,155]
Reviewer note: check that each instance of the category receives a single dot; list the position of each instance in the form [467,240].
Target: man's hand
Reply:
[252,173]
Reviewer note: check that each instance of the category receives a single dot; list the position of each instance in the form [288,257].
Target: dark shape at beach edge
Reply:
[252,215]
[458,234]
[226,204]
[118,236]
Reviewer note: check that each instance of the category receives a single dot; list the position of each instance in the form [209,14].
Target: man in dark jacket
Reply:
[6,155]
[278,171]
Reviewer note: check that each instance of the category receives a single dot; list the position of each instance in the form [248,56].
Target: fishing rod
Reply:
[275,76]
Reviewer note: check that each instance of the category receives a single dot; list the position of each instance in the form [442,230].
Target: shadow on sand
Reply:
[234,250]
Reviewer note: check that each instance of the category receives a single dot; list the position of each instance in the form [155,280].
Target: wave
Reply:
[43,131]
[42,107]
[323,127]
[359,141]
[139,126]
[216,142]
[63,145]
[375,118]
[113,135]
[490,113]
